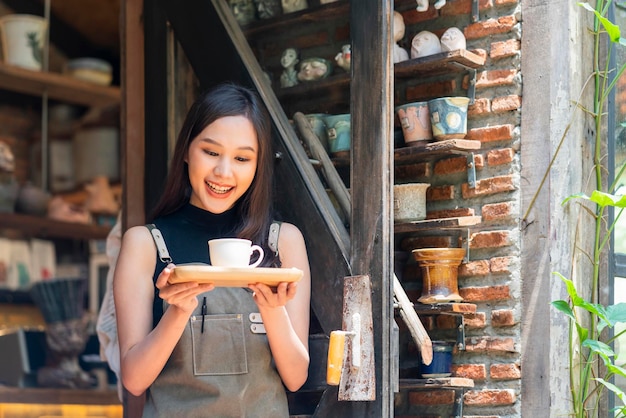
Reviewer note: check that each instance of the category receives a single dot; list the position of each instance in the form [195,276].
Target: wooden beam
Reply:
[372,179]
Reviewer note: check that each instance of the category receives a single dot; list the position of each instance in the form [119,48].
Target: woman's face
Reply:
[222,163]
[289,57]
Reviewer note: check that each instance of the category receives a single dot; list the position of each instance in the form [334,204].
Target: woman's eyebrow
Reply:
[214,142]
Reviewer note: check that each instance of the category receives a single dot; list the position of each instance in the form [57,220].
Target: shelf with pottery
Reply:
[41,227]
[442,63]
[58,86]
[458,384]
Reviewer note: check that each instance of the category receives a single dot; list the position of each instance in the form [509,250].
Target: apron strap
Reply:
[164,254]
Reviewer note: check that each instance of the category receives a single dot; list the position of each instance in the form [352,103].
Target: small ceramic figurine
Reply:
[422,5]
[100,197]
[290,6]
[453,39]
[267,9]
[344,58]
[314,69]
[399,53]
[288,60]
[424,44]
[8,185]
[439,4]
[244,10]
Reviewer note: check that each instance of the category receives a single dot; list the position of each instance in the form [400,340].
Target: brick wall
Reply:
[491,279]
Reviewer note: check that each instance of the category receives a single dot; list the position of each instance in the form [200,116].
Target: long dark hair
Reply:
[223,100]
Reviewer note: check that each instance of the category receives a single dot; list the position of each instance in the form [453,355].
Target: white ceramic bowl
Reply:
[90,69]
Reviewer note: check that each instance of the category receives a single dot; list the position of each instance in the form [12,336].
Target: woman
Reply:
[219,185]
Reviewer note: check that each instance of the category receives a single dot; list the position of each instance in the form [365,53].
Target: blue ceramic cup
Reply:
[448,117]
[338,130]
[316,120]
[441,365]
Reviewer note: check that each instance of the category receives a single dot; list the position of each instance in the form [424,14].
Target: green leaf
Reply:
[606,199]
[616,313]
[575,196]
[615,369]
[601,349]
[564,307]
[583,332]
[611,29]
[571,290]
[615,389]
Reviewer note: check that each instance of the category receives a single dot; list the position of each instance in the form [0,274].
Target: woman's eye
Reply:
[242,159]
[210,152]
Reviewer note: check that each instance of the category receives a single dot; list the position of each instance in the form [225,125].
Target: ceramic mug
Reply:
[233,252]
[448,117]
[338,130]
[415,122]
[316,120]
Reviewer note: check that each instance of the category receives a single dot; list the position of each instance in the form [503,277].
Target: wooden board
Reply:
[35,226]
[439,383]
[440,223]
[406,155]
[442,63]
[233,276]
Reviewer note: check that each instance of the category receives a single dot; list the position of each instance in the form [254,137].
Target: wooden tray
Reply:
[234,276]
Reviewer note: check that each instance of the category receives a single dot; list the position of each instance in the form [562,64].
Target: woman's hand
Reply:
[265,297]
[181,295]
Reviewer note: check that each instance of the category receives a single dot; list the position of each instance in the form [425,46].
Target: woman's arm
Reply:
[286,313]
[144,351]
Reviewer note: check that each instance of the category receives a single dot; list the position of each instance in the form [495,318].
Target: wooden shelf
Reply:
[58,396]
[437,383]
[58,86]
[442,63]
[49,228]
[441,223]
[312,14]
[433,150]
[444,308]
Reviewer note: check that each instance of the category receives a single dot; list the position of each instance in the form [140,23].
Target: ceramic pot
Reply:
[22,40]
[409,202]
[448,117]
[441,366]
[319,127]
[32,200]
[415,122]
[8,194]
[96,153]
[440,268]
[338,131]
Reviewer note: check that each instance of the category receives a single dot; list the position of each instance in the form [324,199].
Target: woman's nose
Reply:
[223,168]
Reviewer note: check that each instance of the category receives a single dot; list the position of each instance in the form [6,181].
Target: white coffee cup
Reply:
[233,252]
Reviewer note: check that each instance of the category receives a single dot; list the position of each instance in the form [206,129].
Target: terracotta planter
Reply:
[440,267]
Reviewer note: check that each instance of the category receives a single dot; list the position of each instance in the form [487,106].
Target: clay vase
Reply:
[440,267]
[409,202]
[415,122]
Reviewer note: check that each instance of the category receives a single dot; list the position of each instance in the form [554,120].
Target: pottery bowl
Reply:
[409,202]
[338,131]
[448,117]
[93,70]
[415,122]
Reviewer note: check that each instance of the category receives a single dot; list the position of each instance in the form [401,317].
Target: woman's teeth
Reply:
[218,189]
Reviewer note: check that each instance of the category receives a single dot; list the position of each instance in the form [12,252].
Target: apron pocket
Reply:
[221,348]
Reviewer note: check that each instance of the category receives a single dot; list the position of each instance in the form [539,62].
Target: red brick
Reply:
[440,193]
[491,133]
[504,49]
[476,320]
[496,211]
[500,264]
[463,7]
[490,345]
[450,213]
[485,293]
[505,371]
[506,103]
[500,156]
[480,107]
[489,27]
[490,239]
[474,268]
[491,397]
[412,16]
[436,397]
[488,186]
[502,318]
[470,371]
[457,165]
[495,78]
[430,90]
[413,171]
